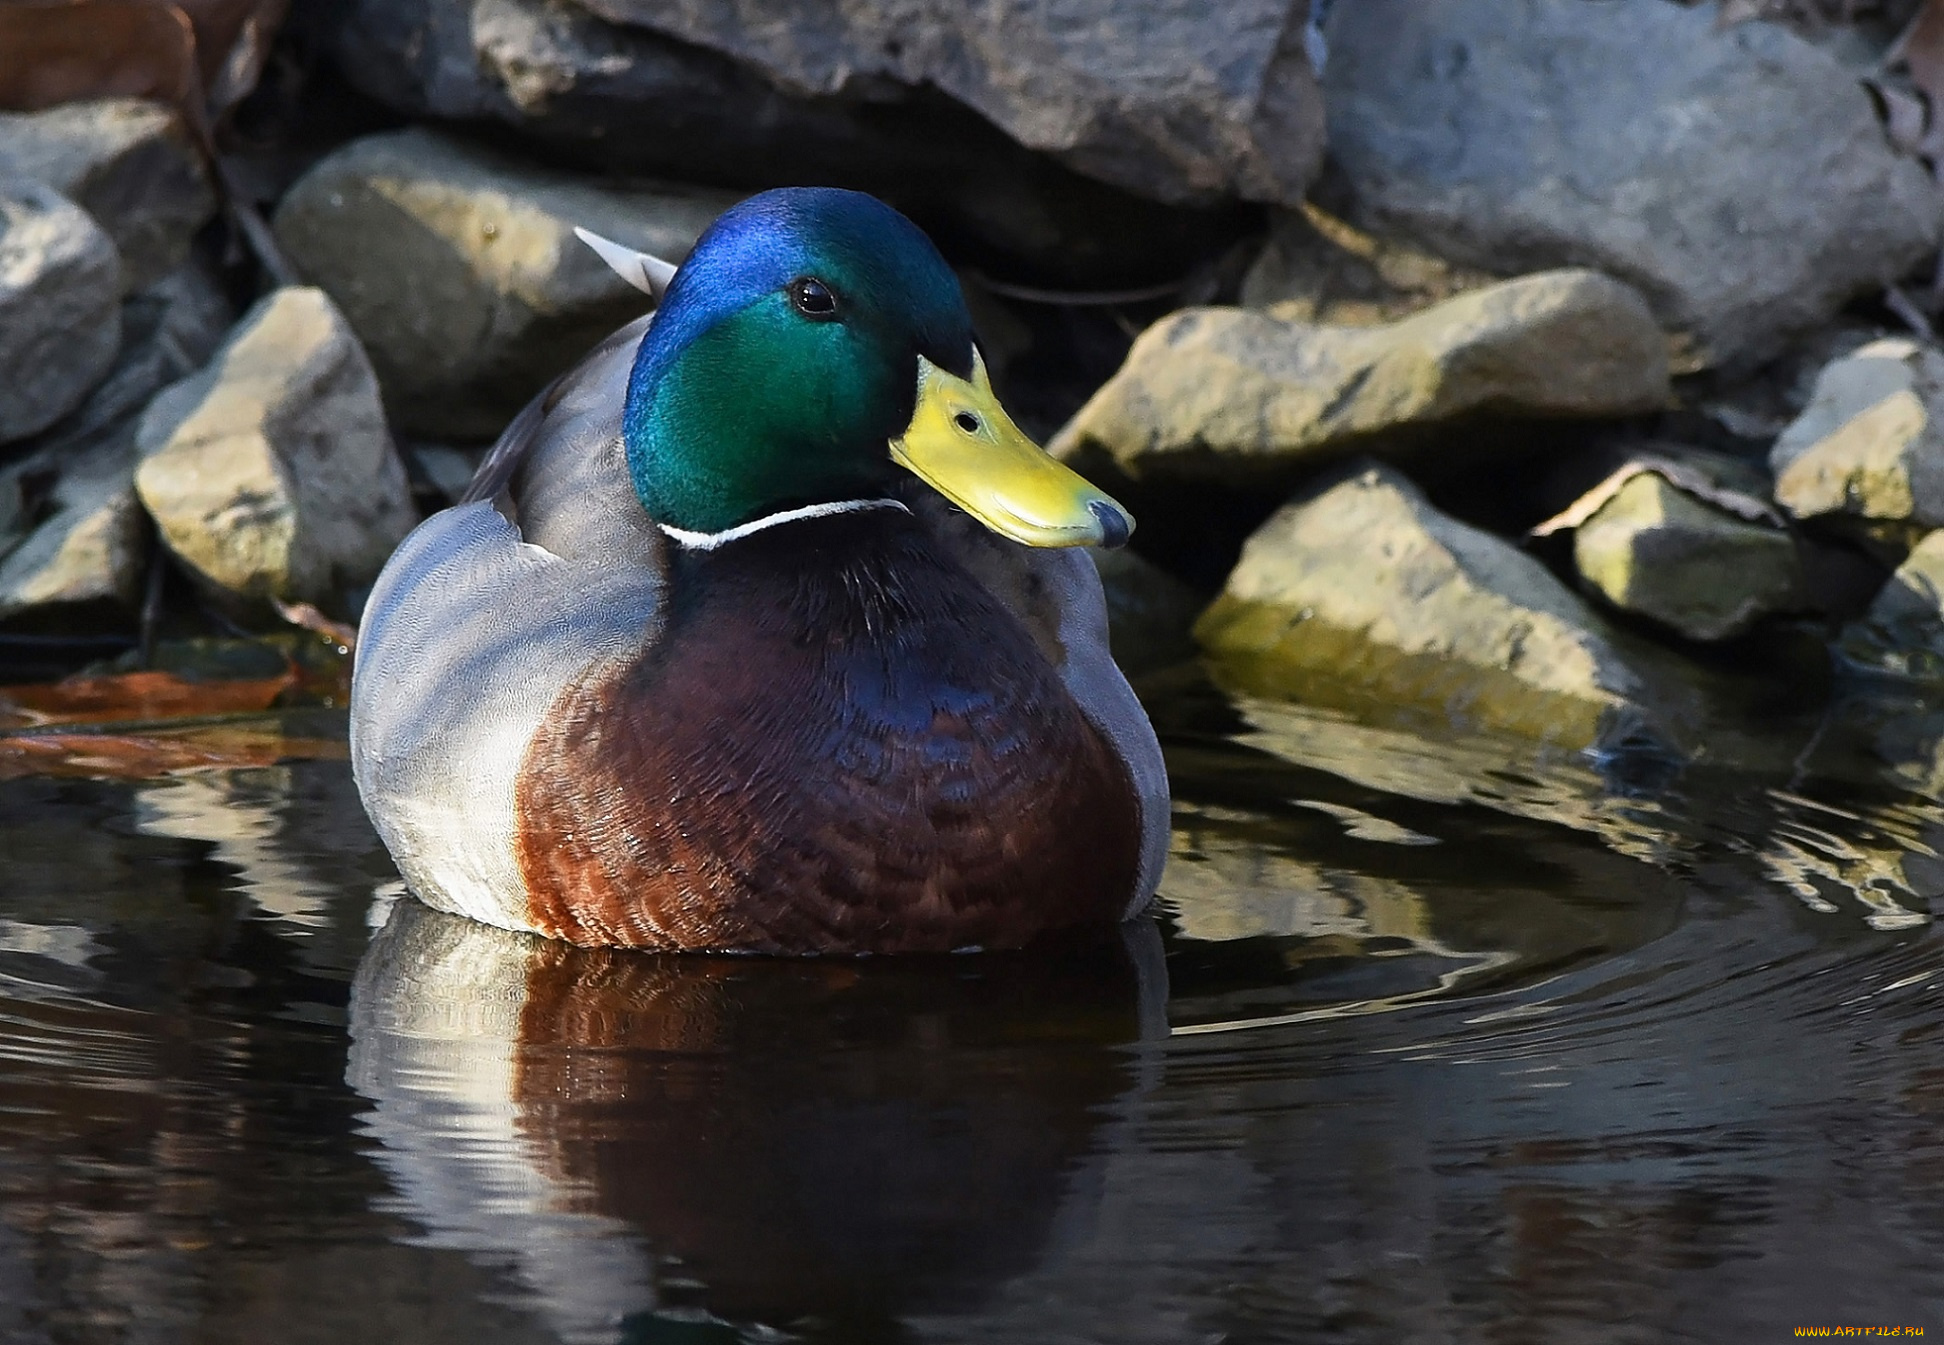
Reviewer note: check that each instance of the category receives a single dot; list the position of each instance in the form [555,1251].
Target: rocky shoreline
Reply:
[1516,372]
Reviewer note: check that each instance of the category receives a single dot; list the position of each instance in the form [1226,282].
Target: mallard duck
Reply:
[762,629]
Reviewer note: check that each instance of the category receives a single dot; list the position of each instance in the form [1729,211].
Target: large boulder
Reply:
[1171,101]
[460,272]
[1866,456]
[270,473]
[60,306]
[1360,591]
[1244,397]
[1737,175]
[129,163]
[1652,549]
[82,562]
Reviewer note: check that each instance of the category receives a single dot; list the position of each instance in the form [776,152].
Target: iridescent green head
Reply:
[812,349]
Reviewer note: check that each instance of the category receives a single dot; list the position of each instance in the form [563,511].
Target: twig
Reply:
[1908,313]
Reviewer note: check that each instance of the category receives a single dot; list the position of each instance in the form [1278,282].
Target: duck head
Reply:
[815,349]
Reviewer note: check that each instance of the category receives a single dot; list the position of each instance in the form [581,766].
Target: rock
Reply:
[460,272]
[1150,613]
[1177,101]
[1244,397]
[634,99]
[1318,268]
[83,563]
[169,330]
[1867,454]
[1654,550]
[60,306]
[1737,175]
[1902,633]
[1359,590]
[129,163]
[270,472]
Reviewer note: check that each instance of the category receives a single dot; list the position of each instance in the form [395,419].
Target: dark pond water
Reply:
[1433,1041]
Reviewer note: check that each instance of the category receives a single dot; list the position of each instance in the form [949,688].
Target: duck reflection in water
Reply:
[818,1145]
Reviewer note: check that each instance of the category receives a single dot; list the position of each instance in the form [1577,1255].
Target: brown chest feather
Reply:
[841,742]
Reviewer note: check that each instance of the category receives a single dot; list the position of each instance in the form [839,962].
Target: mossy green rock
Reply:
[1359,592]
[1656,551]
[1244,397]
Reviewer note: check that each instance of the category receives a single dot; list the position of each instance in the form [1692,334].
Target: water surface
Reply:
[1432,1039]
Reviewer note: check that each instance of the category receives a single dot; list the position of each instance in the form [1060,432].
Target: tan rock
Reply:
[460,272]
[1318,268]
[1238,396]
[85,558]
[1360,591]
[1867,454]
[1654,550]
[270,472]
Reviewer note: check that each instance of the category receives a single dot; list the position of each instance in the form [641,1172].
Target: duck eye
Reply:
[966,421]
[813,298]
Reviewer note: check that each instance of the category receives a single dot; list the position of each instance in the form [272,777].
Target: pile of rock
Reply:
[1514,395]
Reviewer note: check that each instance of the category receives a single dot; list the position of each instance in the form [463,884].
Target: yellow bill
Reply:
[962,444]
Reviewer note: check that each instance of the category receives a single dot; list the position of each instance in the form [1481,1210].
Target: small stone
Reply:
[460,272]
[1902,633]
[1654,550]
[60,306]
[1360,591]
[1736,174]
[1150,613]
[1243,397]
[1867,454]
[129,163]
[270,473]
[83,563]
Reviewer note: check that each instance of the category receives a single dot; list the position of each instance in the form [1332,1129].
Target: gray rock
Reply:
[1902,634]
[169,330]
[1174,99]
[270,473]
[1738,176]
[638,100]
[60,306]
[1245,397]
[1359,591]
[83,562]
[129,163]
[1654,550]
[1150,613]
[460,272]
[1867,454]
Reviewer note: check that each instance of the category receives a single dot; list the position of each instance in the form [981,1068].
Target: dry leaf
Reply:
[57,52]
[136,696]
[102,756]
[1677,474]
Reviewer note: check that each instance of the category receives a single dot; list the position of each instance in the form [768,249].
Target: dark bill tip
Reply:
[1115,526]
